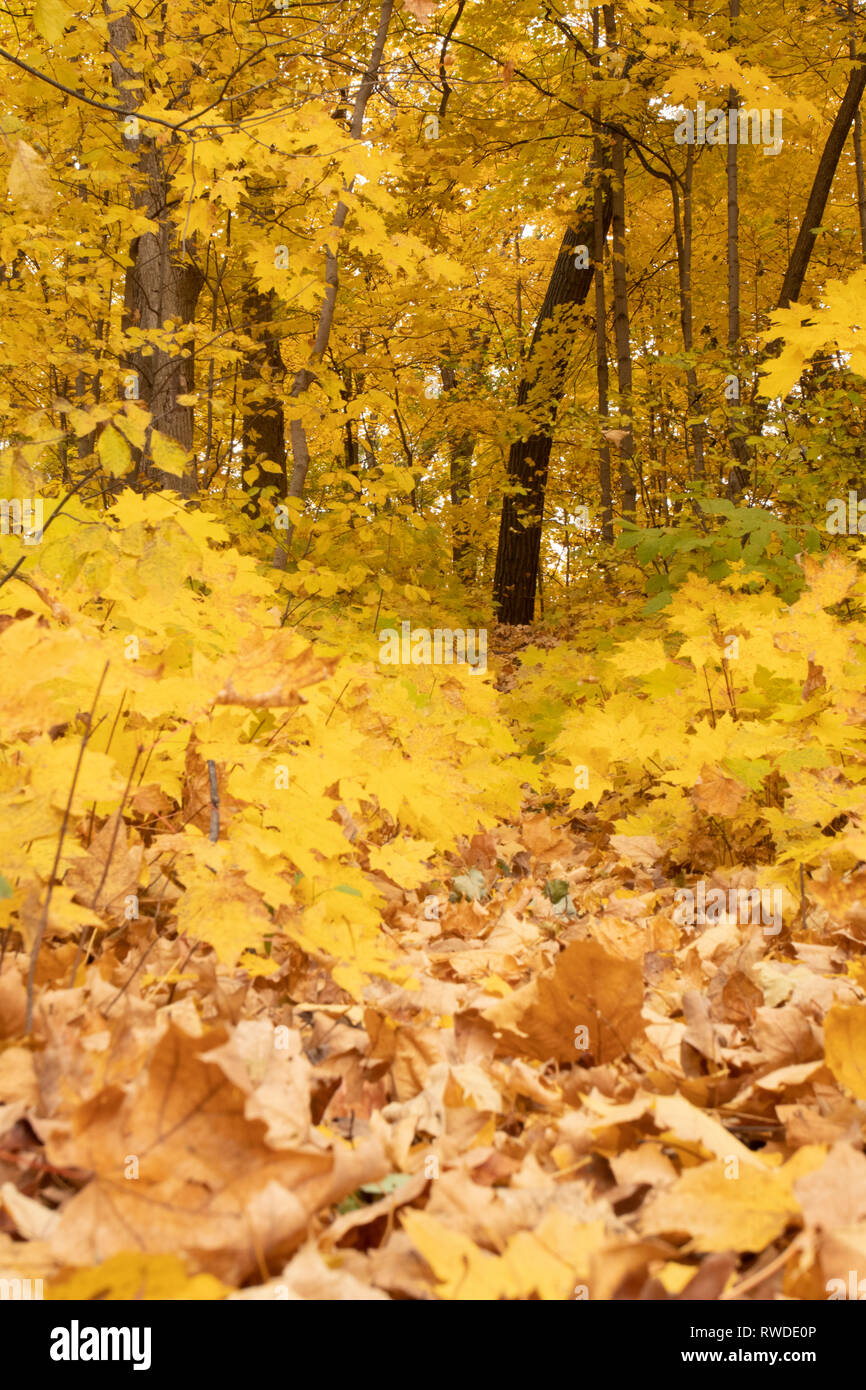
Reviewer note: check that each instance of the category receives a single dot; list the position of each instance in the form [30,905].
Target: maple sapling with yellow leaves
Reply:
[327,970]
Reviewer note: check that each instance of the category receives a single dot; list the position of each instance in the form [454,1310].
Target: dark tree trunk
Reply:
[621,321]
[859,174]
[798,262]
[517,555]
[823,181]
[683,237]
[264,438]
[161,285]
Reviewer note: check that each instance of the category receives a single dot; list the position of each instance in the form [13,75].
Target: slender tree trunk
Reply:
[821,185]
[861,180]
[460,468]
[798,262]
[684,260]
[306,376]
[858,143]
[622,329]
[683,235]
[733,235]
[738,475]
[264,439]
[601,364]
[351,458]
[519,547]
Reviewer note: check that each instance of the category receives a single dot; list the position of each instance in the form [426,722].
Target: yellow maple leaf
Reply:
[545,1262]
[134,1275]
[723,1207]
[845,1043]
[225,913]
[403,861]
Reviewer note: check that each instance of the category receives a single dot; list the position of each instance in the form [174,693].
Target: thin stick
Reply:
[214,801]
[107,866]
[337,701]
[180,971]
[710,697]
[57,510]
[803,897]
[762,1274]
[31,974]
[151,945]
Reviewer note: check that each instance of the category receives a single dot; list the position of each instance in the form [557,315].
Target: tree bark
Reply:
[161,285]
[264,437]
[460,469]
[622,329]
[602,370]
[519,545]
[683,236]
[798,262]
[821,185]
[858,143]
[306,376]
[738,475]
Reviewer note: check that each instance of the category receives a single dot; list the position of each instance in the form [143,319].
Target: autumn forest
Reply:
[432,652]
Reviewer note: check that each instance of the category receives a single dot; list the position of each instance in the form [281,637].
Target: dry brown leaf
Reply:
[108,874]
[586,989]
[835,1193]
[716,794]
[421,9]
[208,1185]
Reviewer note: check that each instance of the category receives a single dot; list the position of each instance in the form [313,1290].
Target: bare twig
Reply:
[34,955]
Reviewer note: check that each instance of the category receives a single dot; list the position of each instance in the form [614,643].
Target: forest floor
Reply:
[571,1097]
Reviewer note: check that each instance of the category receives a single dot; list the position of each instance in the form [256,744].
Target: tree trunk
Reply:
[516,574]
[798,262]
[306,376]
[738,475]
[264,437]
[683,236]
[460,468]
[160,285]
[822,183]
[622,329]
[858,143]
[602,371]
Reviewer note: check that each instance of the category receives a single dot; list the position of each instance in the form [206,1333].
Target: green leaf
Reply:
[392,1183]
[655,604]
[556,889]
